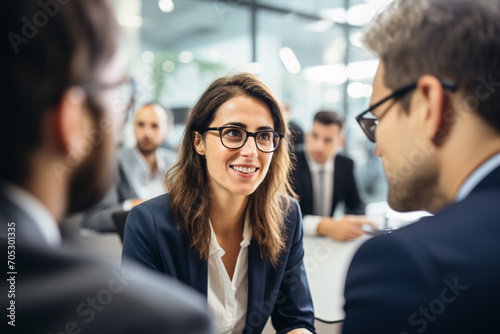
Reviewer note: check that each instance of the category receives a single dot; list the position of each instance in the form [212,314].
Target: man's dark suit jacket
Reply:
[58,290]
[438,275]
[344,185]
[153,239]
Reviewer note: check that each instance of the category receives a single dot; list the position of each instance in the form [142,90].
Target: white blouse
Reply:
[227,300]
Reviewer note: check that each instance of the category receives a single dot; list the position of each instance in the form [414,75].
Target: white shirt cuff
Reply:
[311,223]
[127,205]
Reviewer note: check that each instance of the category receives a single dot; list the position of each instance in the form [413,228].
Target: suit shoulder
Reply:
[287,198]
[474,218]
[159,209]
[394,254]
[294,203]
[293,210]
[452,233]
[159,202]
[139,297]
[343,158]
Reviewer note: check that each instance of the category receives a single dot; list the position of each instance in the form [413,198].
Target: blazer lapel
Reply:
[256,277]
[306,180]
[337,174]
[197,271]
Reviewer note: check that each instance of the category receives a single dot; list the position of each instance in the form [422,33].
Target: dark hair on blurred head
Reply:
[43,58]
[188,184]
[329,117]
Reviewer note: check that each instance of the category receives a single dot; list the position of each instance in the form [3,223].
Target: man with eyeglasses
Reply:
[435,118]
[58,124]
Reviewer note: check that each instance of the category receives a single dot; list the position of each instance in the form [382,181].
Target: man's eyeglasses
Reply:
[368,121]
[233,138]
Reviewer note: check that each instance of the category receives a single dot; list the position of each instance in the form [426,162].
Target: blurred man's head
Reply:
[435,133]
[150,127]
[57,118]
[326,136]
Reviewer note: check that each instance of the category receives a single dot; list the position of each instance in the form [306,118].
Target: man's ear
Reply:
[432,106]
[163,122]
[163,133]
[70,122]
[307,137]
[199,144]
[341,140]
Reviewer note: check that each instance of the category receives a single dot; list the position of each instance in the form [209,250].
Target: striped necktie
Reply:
[321,199]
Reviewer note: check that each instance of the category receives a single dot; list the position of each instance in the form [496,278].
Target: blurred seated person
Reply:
[323,178]
[141,169]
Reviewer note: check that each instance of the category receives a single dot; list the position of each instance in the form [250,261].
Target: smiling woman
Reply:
[228,227]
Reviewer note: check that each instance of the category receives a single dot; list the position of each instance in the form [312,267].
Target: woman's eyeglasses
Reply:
[233,138]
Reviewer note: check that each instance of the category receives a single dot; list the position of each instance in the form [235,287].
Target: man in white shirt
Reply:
[141,169]
[323,178]
[58,127]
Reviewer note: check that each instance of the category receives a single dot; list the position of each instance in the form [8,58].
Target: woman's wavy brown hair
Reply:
[188,185]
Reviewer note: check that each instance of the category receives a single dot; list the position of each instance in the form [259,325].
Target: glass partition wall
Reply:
[308,52]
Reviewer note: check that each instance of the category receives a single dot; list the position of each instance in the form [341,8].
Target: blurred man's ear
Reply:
[164,132]
[71,122]
[163,121]
[307,137]
[341,140]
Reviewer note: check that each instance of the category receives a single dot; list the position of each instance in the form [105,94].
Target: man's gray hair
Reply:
[457,40]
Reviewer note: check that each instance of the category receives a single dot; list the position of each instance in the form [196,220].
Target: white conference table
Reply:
[327,261]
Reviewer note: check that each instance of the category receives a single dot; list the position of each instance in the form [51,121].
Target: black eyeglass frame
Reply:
[398,93]
[248,134]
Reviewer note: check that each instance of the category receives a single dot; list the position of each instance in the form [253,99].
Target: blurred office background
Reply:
[308,52]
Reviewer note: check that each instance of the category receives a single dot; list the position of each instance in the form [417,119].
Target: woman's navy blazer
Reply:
[153,239]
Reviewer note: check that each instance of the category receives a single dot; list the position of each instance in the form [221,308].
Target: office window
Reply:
[308,52]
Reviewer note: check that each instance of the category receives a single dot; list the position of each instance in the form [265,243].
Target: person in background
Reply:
[435,119]
[227,227]
[324,178]
[58,129]
[141,169]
